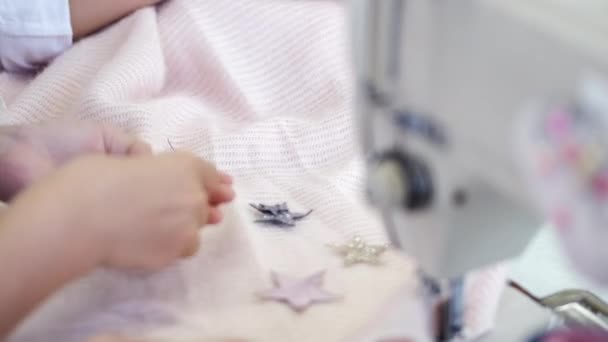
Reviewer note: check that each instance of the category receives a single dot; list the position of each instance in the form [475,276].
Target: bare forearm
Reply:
[36,260]
[89,16]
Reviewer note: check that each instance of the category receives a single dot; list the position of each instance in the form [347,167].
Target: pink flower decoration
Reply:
[558,124]
[600,185]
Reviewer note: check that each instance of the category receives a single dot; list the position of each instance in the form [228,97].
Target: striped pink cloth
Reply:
[264,89]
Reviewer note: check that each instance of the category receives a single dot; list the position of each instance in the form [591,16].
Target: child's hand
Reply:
[141,212]
[29,152]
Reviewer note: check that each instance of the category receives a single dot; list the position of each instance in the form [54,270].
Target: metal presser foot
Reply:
[452,312]
[446,300]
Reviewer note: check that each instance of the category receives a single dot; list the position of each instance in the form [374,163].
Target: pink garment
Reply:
[264,89]
[33,32]
[563,148]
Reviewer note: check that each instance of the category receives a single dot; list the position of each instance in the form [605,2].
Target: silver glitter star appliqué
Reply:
[357,251]
[298,293]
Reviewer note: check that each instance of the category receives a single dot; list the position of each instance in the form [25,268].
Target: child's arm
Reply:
[88,16]
[139,212]
[33,32]
[37,256]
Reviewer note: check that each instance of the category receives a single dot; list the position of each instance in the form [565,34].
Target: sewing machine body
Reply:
[470,68]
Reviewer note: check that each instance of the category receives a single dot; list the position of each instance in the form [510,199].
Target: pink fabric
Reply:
[264,89]
[563,150]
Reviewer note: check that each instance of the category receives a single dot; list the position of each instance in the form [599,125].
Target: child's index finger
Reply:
[225,178]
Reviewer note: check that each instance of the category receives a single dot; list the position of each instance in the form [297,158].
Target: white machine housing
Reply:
[469,68]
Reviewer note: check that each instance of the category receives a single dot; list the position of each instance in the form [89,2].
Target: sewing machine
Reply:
[440,87]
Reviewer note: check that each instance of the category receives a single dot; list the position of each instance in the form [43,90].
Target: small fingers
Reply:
[216,183]
[223,194]
[192,244]
[201,210]
[208,174]
[118,142]
[215,216]
[225,178]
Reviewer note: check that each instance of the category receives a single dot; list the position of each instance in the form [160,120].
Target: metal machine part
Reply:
[440,85]
[571,308]
[451,311]
[578,308]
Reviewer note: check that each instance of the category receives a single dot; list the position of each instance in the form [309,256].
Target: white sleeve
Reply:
[33,32]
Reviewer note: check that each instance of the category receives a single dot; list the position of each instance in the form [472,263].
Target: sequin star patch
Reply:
[357,251]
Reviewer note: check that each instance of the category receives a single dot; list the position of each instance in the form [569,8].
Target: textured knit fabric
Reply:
[263,89]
